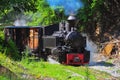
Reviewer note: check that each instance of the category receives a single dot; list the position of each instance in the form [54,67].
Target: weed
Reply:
[3,77]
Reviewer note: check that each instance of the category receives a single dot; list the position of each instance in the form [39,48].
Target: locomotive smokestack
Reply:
[71,20]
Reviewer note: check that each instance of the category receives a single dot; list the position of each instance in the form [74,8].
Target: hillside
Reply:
[19,70]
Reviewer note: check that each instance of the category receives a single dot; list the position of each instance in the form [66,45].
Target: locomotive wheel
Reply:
[62,57]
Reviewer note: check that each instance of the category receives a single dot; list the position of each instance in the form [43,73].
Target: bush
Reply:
[3,78]
[1,41]
[9,47]
[12,51]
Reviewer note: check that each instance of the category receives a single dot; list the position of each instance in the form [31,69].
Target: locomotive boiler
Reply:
[67,45]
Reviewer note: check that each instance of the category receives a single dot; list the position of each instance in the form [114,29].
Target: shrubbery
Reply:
[8,47]
[11,50]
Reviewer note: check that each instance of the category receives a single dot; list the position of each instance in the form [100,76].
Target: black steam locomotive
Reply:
[62,41]
[67,44]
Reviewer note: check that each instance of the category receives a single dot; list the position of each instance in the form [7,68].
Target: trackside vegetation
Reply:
[33,70]
[27,69]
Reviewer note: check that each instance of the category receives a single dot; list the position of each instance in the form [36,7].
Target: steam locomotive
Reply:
[63,42]
[67,44]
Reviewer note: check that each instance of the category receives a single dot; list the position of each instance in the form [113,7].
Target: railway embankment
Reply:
[40,70]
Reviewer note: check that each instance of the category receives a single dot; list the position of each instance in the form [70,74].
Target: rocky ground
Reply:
[111,66]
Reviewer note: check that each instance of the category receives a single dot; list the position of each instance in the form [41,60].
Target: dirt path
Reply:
[111,66]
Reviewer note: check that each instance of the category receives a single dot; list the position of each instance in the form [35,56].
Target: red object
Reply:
[75,59]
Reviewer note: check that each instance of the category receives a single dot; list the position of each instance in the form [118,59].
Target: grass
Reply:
[2,77]
[40,70]
[60,72]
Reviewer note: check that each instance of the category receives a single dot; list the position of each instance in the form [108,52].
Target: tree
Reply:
[10,8]
[46,15]
[38,10]
[103,12]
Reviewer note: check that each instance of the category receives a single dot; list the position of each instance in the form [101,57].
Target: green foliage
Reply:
[12,51]
[45,15]
[39,12]
[90,13]
[17,5]
[1,41]
[9,9]
[3,78]
[25,56]
[10,69]
[9,48]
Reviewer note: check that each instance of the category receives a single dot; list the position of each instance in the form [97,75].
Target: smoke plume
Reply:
[70,6]
[20,20]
